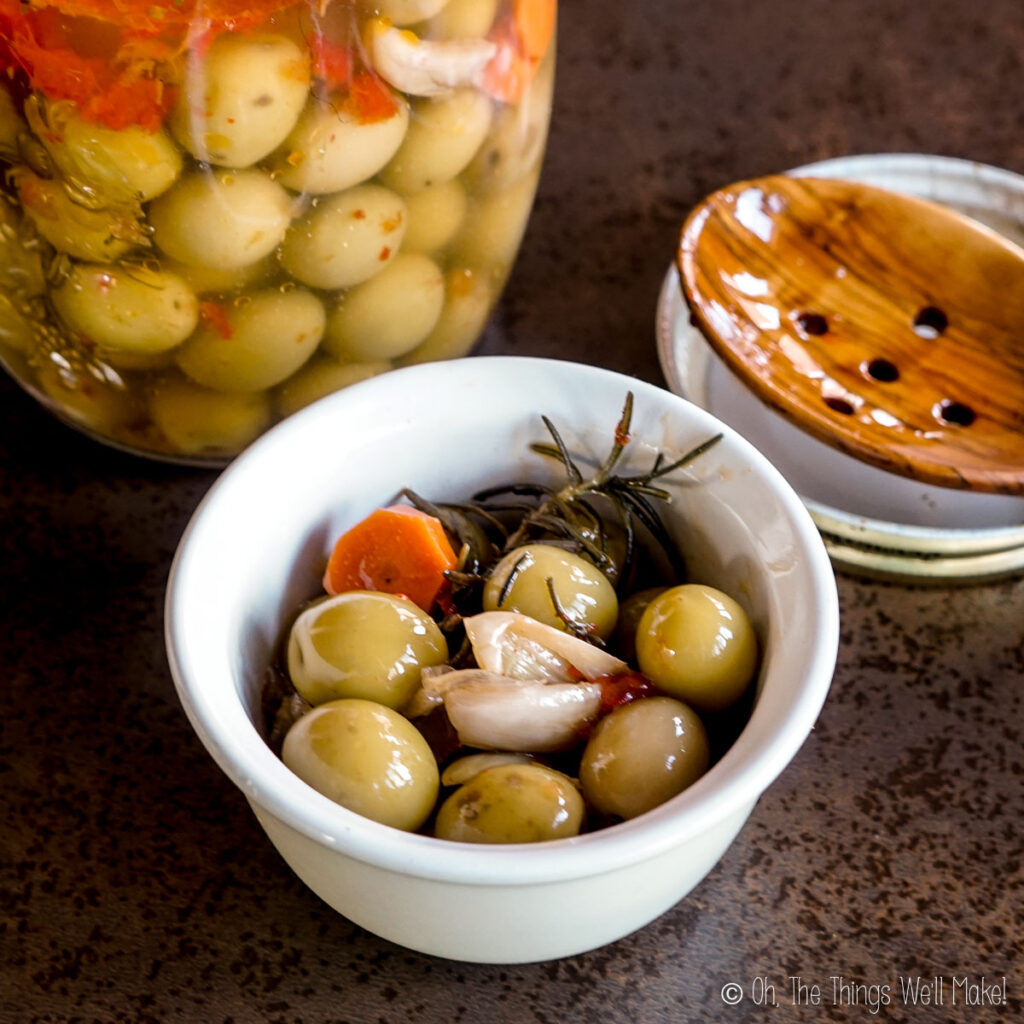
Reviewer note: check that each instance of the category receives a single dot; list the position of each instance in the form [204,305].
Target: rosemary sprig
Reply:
[596,514]
[632,495]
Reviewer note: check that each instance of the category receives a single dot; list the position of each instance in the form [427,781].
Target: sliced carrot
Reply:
[396,550]
[523,37]
[535,22]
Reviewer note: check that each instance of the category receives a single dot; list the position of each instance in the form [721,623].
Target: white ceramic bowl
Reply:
[253,549]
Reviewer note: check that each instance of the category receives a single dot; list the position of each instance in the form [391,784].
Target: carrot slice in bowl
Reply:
[394,550]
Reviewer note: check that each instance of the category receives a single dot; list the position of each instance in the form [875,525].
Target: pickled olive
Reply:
[494,228]
[94,235]
[641,755]
[331,149]
[435,215]
[85,400]
[464,769]
[696,643]
[444,134]
[582,590]
[322,376]
[366,757]
[468,299]
[244,102]
[135,310]
[388,315]
[363,644]
[512,803]
[197,421]
[117,166]
[227,219]
[346,238]
[256,344]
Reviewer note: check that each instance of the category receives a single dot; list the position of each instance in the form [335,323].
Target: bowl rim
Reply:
[735,782]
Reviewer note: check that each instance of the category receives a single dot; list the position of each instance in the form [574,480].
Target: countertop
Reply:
[135,884]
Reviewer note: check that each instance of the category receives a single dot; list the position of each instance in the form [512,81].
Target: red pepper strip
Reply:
[362,94]
[332,63]
[369,99]
[215,317]
[114,97]
[154,17]
[623,688]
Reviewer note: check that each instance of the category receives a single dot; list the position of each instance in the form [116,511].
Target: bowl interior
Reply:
[256,546]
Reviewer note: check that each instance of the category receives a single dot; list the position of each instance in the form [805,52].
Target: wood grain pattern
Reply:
[885,325]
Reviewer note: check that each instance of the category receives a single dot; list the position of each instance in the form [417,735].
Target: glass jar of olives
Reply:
[214,213]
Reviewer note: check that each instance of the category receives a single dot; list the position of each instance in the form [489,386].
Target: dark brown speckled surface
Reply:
[135,885]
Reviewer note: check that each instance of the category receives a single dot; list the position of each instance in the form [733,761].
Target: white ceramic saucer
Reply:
[874,522]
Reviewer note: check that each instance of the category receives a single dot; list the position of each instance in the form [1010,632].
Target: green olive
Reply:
[137,311]
[363,644]
[512,803]
[697,644]
[641,755]
[198,421]
[583,591]
[367,758]
[116,165]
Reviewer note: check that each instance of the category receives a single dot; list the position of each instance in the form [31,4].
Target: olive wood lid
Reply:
[886,325]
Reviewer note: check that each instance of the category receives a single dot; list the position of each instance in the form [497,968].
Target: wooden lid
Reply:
[883,324]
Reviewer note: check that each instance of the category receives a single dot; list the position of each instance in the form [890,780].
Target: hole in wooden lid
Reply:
[955,413]
[812,323]
[930,322]
[882,370]
[840,405]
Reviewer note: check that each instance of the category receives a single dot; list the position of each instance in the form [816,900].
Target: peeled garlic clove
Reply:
[425,67]
[520,647]
[497,713]
[420,705]
[437,682]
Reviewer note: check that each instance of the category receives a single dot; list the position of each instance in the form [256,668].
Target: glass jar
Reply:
[216,211]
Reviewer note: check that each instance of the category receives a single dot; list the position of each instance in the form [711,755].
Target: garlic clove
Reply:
[520,647]
[493,712]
